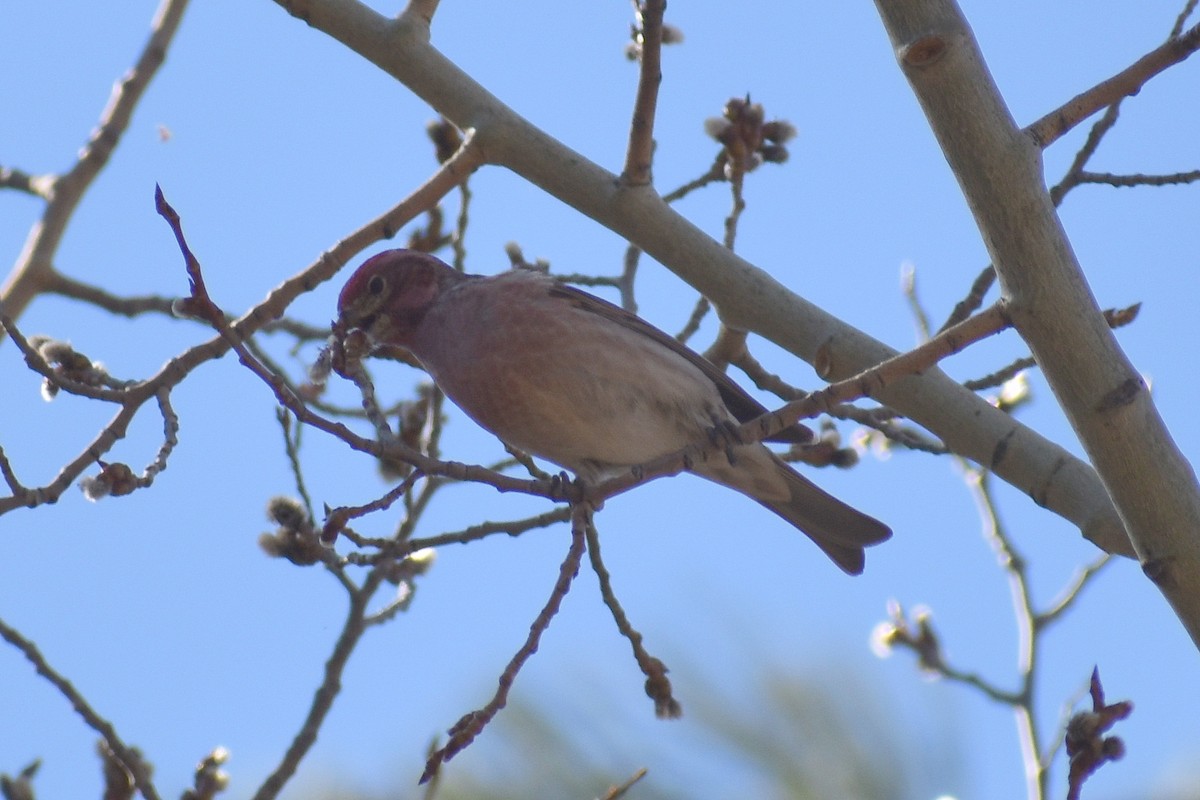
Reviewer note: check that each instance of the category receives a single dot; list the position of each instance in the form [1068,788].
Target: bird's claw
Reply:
[726,435]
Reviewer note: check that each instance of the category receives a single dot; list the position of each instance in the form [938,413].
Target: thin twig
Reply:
[1000,376]
[1128,81]
[1182,19]
[36,185]
[137,305]
[10,476]
[1070,592]
[34,266]
[1138,179]
[908,288]
[625,283]
[485,529]
[1099,130]
[338,517]
[471,724]
[658,687]
[335,665]
[617,792]
[640,153]
[1014,566]
[127,755]
[291,450]
[693,323]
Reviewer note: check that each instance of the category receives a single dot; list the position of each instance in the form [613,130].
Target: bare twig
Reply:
[36,185]
[617,792]
[137,305]
[658,687]
[471,724]
[974,299]
[1099,130]
[693,323]
[997,378]
[485,529]
[35,265]
[920,636]
[291,448]
[715,173]
[1128,81]
[335,665]
[1031,623]
[338,517]
[1137,179]
[625,283]
[1083,576]
[908,288]
[127,755]
[640,154]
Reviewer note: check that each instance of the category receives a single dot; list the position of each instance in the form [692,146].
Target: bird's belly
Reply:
[582,417]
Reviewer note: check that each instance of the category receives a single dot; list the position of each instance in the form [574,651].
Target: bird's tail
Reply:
[840,530]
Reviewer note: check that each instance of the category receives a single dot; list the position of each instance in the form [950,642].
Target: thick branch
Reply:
[749,298]
[999,169]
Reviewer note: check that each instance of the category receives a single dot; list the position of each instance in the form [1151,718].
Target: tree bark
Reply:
[1109,406]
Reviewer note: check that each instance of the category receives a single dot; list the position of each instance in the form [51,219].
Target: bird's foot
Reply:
[559,486]
[565,488]
[724,434]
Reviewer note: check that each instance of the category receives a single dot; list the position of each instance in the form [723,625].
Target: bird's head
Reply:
[388,296]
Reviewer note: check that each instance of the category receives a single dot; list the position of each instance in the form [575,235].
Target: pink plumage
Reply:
[571,378]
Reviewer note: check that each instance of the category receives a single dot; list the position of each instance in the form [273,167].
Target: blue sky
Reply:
[164,612]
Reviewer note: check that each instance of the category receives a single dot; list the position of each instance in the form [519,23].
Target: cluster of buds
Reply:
[1087,747]
[68,364]
[917,635]
[416,430]
[114,479]
[747,137]
[118,779]
[209,779]
[20,787]
[1014,393]
[296,537]
[637,40]
[413,565]
[446,138]
[826,450]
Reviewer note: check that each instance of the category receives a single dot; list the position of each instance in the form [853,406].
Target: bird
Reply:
[574,379]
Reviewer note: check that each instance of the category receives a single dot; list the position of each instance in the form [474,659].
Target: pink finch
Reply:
[571,378]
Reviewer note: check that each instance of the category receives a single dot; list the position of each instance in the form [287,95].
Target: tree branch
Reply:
[750,298]
[999,169]
[35,265]
[128,756]
[1128,81]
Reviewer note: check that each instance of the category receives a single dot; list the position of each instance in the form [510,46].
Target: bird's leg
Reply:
[563,487]
[724,434]
[558,486]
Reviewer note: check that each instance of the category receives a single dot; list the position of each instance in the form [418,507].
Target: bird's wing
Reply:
[743,407]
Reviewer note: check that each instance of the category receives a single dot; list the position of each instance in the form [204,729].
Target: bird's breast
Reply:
[564,384]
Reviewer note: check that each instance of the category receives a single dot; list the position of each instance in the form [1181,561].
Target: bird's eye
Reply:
[376,284]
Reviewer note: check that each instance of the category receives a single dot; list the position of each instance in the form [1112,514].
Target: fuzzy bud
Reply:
[114,479]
